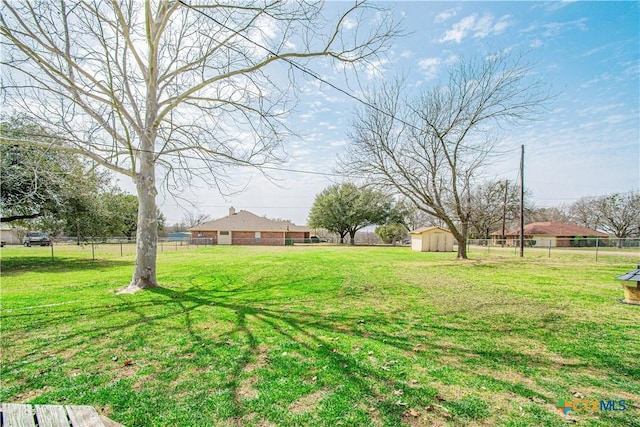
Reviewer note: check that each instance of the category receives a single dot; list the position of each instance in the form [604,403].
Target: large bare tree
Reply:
[430,148]
[619,214]
[170,89]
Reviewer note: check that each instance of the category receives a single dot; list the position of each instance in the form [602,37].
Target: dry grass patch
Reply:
[309,402]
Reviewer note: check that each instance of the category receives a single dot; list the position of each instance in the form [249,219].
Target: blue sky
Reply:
[587,145]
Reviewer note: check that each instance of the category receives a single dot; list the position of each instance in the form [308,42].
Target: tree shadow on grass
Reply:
[254,323]
[12,267]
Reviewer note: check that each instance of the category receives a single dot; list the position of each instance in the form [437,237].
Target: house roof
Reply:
[425,229]
[558,229]
[247,221]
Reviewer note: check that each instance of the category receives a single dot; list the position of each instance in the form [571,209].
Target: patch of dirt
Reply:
[246,389]
[429,419]
[557,359]
[143,380]
[261,359]
[308,403]
[376,420]
[600,393]
[249,419]
[29,395]
[514,377]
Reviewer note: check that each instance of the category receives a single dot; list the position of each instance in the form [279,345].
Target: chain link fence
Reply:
[123,247]
[593,246]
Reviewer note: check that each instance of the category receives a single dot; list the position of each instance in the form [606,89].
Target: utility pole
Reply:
[504,210]
[522,201]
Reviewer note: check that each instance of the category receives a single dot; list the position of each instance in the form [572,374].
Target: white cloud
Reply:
[597,79]
[446,15]
[451,59]
[430,67]
[631,68]
[327,126]
[375,69]
[459,30]
[599,109]
[478,27]
[553,29]
[535,44]
[349,23]
[553,6]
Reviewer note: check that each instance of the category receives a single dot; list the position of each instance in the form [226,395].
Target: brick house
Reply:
[246,228]
[545,234]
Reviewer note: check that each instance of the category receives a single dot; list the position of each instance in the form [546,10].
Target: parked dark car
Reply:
[316,239]
[36,238]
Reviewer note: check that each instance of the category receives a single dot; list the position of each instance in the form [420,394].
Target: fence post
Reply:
[121,249]
[597,245]
[52,251]
[549,248]
[161,246]
[93,252]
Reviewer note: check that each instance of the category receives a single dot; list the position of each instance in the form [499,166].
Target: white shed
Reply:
[431,239]
[9,235]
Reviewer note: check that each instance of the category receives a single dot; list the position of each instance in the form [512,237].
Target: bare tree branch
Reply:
[162,86]
[433,147]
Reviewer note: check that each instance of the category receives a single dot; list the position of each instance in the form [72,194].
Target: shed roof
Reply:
[633,275]
[425,229]
[557,229]
[247,221]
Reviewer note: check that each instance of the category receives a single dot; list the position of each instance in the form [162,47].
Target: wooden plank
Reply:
[110,423]
[51,416]
[84,416]
[17,415]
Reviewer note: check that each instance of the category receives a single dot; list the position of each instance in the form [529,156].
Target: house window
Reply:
[258,236]
[224,233]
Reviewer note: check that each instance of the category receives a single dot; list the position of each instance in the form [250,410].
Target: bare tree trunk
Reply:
[461,237]
[352,238]
[462,249]
[134,73]
[144,274]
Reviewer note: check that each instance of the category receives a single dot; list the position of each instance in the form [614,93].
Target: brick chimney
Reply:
[232,211]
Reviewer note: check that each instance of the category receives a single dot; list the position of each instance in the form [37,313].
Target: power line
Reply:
[297,66]
[307,71]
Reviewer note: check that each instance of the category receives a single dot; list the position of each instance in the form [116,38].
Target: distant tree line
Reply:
[346,208]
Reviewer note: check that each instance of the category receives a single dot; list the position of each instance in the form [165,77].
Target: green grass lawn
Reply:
[322,336]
